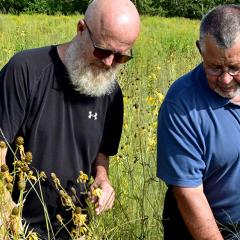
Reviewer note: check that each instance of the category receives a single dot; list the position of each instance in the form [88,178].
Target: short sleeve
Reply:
[179,155]
[113,126]
[13,98]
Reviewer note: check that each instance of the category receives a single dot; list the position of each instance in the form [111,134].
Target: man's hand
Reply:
[106,200]
[100,173]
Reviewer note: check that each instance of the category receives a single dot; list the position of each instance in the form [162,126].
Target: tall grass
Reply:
[164,51]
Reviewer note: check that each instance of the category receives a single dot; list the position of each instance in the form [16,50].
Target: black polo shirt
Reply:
[62,128]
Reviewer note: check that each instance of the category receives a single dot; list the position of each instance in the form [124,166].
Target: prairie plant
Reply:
[28,179]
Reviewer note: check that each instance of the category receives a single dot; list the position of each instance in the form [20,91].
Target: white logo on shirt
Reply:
[92,115]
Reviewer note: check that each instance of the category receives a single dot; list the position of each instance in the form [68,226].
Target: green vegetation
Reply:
[164,51]
[165,8]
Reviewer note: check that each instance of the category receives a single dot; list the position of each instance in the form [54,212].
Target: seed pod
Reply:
[25,168]
[53,175]
[3,144]
[28,157]
[21,184]
[61,192]
[15,211]
[4,168]
[18,163]
[19,141]
[73,190]
[43,175]
[78,210]
[9,187]
[59,218]
[9,178]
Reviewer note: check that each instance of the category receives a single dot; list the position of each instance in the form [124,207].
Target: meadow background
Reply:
[164,51]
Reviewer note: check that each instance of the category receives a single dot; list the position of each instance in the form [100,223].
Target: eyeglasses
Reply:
[101,53]
[219,71]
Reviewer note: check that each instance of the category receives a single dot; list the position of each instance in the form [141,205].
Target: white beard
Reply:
[92,79]
[230,95]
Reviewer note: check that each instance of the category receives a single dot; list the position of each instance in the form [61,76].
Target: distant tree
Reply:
[168,8]
[12,6]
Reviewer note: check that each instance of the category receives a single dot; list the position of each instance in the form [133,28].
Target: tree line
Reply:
[193,9]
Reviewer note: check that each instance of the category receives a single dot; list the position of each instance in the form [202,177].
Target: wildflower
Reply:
[33,236]
[97,192]
[83,178]
[43,175]
[66,200]
[79,219]
[160,97]
[31,176]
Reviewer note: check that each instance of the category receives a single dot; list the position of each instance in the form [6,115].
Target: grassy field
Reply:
[164,51]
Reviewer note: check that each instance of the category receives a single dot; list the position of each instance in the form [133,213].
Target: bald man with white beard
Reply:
[66,103]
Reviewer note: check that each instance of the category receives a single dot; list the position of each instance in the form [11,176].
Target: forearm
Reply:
[197,213]
[101,166]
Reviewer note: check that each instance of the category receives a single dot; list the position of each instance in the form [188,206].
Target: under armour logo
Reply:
[92,115]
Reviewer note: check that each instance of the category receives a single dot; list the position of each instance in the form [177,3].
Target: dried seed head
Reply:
[9,187]
[18,163]
[59,218]
[4,168]
[28,157]
[73,190]
[43,175]
[21,184]
[9,178]
[19,141]
[3,144]
[15,211]
[78,210]
[61,192]
[74,199]
[53,176]
[25,168]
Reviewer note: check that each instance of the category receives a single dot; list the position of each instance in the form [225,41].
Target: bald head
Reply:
[118,20]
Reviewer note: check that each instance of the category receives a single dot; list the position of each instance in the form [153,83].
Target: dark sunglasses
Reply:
[101,53]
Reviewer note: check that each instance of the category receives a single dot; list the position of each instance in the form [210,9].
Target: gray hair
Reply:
[222,23]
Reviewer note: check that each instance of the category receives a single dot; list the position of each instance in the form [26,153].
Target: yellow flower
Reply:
[150,100]
[160,97]
[83,178]
[33,236]
[97,192]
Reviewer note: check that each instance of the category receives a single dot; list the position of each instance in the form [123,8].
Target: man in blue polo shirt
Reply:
[199,137]
[65,102]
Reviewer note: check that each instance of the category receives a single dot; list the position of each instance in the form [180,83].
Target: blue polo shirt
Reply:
[199,143]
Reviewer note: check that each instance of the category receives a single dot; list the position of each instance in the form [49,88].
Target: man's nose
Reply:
[108,60]
[225,78]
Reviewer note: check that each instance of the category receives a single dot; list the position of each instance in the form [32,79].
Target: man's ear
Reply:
[198,46]
[81,25]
